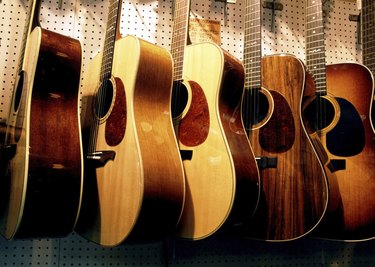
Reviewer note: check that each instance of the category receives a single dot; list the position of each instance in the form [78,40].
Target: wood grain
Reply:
[294,193]
[139,195]
[45,175]
[351,213]
[211,173]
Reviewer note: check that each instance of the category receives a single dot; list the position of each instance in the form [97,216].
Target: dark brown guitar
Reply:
[43,181]
[336,112]
[294,188]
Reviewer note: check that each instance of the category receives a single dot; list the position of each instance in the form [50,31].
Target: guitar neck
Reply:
[32,20]
[252,44]
[315,45]
[368,32]
[179,35]
[112,33]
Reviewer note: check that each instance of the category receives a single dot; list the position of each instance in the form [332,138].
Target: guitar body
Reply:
[349,147]
[210,129]
[140,192]
[44,172]
[294,191]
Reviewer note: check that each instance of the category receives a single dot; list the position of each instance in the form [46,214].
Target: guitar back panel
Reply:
[46,173]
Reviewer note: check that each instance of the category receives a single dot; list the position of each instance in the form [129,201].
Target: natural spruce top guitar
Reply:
[337,114]
[134,182]
[294,188]
[222,184]
[43,181]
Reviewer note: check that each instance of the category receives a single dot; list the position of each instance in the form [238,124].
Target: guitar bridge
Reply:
[100,158]
[337,165]
[10,151]
[186,154]
[266,162]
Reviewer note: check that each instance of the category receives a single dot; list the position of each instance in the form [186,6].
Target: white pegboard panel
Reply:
[216,251]
[152,21]
[11,30]
[286,33]
[341,34]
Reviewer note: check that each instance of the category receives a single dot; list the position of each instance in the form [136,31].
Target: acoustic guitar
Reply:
[134,181]
[222,183]
[43,180]
[336,110]
[294,191]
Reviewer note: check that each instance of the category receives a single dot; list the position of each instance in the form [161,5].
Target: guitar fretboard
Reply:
[315,46]
[28,27]
[179,35]
[252,44]
[110,38]
[368,33]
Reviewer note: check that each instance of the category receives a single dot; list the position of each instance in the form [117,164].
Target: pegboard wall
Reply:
[283,32]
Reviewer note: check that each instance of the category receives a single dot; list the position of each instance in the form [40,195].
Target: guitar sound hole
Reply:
[255,107]
[18,92]
[180,97]
[319,114]
[103,99]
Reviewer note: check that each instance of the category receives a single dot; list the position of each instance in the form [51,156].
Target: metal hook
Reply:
[273,6]
[225,8]
[357,18]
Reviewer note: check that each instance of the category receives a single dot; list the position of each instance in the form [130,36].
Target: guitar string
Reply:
[315,58]
[368,27]
[181,13]
[99,100]
[252,57]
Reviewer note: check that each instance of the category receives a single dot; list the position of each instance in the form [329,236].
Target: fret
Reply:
[252,85]
[371,55]
[368,33]
[109,40]
[252,63]
[315,45]
[253,36]
[314,28]
[316,68]
[252,54]
[179,36]
[254,81]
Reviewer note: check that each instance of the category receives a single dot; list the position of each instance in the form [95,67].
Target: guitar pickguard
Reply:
[194,127]
[116,123]
[278,134]
[347,138]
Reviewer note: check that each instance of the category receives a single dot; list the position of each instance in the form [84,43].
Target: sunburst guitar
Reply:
[336,111]
[348,144]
